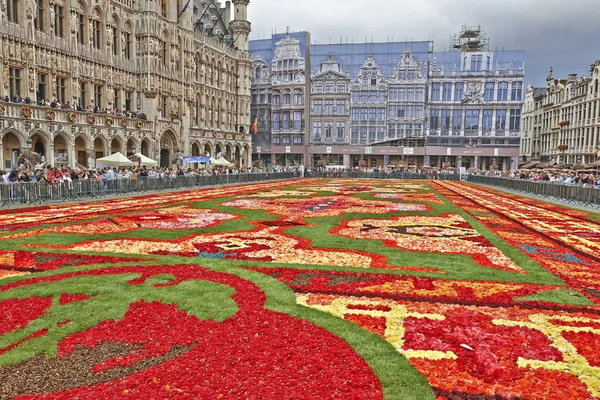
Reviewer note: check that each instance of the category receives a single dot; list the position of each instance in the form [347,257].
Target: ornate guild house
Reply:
[393,103]
[82,79]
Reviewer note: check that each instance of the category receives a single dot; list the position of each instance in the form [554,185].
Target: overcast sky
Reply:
[563,34]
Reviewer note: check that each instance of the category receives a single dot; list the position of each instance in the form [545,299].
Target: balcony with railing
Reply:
[42,115]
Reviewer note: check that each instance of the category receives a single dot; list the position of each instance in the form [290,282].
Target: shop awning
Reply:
[594,164]
[530,164]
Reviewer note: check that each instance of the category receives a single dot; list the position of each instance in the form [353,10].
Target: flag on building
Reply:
[184,8]
[255,126]
[164,3]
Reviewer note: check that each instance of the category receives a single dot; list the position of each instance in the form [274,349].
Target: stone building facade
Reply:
[261,109]
[330,111]
[474,102]
[192,86]
[458,108]
[289,94]
[562,121]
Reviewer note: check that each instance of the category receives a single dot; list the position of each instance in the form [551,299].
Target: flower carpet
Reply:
[302,289]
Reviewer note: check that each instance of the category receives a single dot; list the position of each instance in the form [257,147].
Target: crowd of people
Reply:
[54,175]
[565,177]
[74,107]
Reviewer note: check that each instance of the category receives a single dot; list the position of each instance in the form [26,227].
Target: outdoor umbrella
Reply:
[116,159]
[145,161]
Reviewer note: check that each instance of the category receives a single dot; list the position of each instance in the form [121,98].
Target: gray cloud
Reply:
[555,33]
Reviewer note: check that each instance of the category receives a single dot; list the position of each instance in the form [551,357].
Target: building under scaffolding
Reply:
[470,39]
[409,103]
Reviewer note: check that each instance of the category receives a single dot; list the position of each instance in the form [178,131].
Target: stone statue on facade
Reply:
[31,9]
[109,35]
[6,78]
[52,16]
[74,23]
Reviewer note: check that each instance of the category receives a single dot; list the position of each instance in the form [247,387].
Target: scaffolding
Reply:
[470,39]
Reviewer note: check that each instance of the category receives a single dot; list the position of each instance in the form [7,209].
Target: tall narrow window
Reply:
[163,53]
[318,107]
[96,34]
[98,96]
[286,97]
[298,121]
[83,99]
[163,103]
[59,20]
[459,92]
[476,60]
[127,48]
[447,92]
[328,129]
[298,97]
[517,91]
[446,119]
[502,91]
[317,129]
[488,93]
[115,41]
[14,77]
[419,94]
[12,10]
[117,99]
[457,120]
[42,90]
[515,119]
[286,121]
[340,108]
[340,125]
[487,120]
[61,89]
[80,28]
[328,107]
[40,16]
[435,92]
[434,120]
[500,120]
[472,119]
[128,101]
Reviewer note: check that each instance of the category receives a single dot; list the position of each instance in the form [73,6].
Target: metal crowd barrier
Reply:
[587,195]
[382,175]
[36,193]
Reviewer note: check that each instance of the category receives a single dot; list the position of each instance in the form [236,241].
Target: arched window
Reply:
[596,86]
[197,63]
[365,81]
[217,75]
